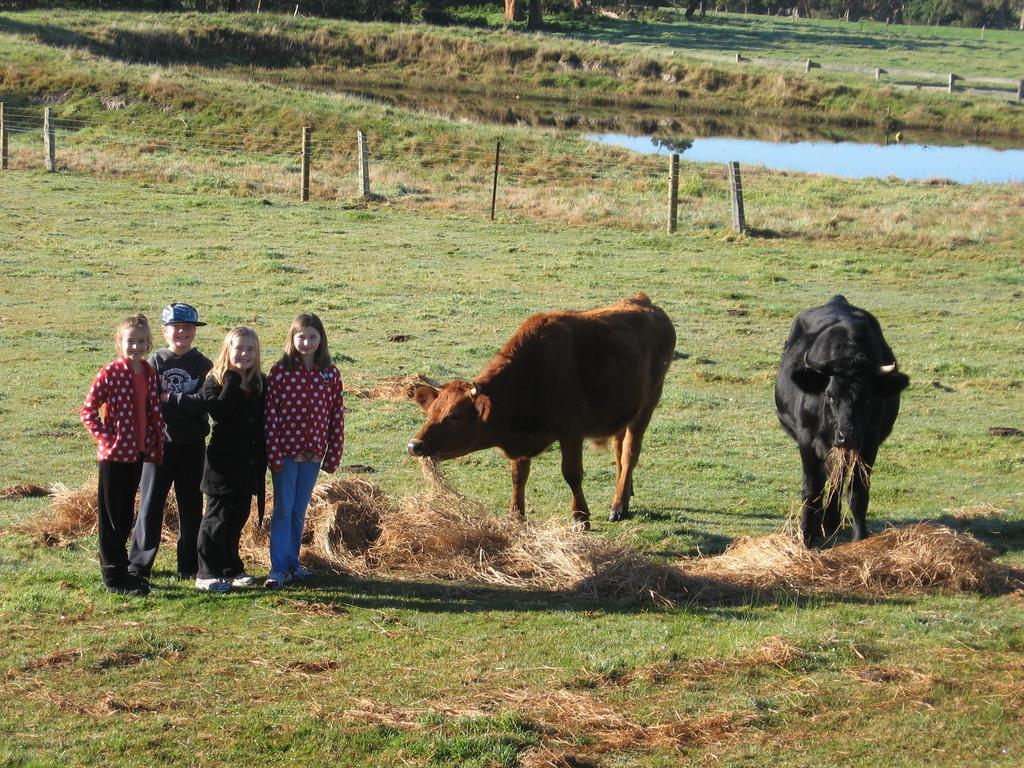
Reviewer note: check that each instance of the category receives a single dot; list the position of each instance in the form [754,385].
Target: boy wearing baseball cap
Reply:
[180,370]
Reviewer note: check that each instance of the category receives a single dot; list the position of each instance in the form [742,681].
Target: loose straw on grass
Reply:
[353,527]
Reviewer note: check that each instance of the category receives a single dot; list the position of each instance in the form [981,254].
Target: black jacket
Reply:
[181,378]
[236,458]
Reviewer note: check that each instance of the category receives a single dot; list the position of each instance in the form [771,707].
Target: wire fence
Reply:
[518,177]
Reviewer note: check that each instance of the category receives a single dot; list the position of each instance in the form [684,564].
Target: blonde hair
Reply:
[291,358]
[252,378]
[129,324]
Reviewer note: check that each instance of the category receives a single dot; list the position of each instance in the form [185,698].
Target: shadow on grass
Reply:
[341,592]
[736,34]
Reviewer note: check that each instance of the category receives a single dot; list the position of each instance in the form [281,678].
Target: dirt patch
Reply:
[392,388]
[54,660]
[23,491]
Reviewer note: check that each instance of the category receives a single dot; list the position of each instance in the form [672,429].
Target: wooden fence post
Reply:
[494,187]
[1020,90]
[364,165]
[878,74]
[3,139]
[739,224]
[49,141]
[807,65]
[673,192]
[952,80]
[307,149]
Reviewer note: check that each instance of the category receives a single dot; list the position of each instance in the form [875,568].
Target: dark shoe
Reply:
[187,576]
[130,585]
[138,586]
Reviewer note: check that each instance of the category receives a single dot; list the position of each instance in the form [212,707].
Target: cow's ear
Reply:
[482,403]
[424,395]
[810,381]
[891,384]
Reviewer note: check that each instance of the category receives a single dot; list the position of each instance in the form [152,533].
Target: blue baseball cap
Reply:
[176,312]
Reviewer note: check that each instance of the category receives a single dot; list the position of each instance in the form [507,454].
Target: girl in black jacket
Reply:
[235,393]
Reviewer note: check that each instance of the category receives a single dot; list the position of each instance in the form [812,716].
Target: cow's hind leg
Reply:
[520,474]
[617,446]
[631,442]
[811,502]
[572,471]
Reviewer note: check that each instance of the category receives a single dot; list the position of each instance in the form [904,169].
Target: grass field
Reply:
[362,672]
[372,671]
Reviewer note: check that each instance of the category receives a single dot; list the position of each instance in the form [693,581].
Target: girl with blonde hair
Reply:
[236,466]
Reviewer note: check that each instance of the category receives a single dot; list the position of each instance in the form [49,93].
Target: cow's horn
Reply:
[473,391]
[809,364]
[887,368]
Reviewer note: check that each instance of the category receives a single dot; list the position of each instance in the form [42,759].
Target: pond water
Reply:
[915,162]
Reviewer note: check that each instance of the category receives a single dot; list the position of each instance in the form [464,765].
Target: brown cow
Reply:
[563,376]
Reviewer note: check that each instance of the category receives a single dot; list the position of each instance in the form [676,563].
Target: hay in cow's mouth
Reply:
[843,465]
[353,527]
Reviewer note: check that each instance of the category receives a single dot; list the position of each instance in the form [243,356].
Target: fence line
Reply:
[321,165]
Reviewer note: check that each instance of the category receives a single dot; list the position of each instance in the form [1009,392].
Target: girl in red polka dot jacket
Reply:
[129,432]
[305,426]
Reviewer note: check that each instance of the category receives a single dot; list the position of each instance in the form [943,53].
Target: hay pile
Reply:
[907,560]
[353,527]
[71,515]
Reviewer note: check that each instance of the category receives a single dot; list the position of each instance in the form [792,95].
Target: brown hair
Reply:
[252,379]
[129,324]
[291,358]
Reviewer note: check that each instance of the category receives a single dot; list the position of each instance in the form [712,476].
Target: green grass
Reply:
[269,678]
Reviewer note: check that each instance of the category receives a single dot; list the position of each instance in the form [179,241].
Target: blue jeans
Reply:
[293,486]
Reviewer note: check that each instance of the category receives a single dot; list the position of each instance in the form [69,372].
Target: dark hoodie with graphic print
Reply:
[182,379]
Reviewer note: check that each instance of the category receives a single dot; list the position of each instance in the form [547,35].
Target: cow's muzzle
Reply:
[416,448]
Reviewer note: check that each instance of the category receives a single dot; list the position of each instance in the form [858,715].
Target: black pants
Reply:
[219,535]
[118,484]
[182,467]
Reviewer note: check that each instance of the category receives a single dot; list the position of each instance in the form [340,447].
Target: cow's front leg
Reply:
[859,494]
[572,471]
[520,474]
[813,487]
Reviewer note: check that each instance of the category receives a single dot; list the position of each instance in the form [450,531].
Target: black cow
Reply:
[838,387]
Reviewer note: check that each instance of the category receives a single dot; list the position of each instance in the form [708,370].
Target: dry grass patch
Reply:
[562,718]
[976,511]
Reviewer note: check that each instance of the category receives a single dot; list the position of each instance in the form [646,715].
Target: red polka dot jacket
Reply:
[115,431]
[305,412]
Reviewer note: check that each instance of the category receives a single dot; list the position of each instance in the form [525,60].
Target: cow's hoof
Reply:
[580,526]
[616,514]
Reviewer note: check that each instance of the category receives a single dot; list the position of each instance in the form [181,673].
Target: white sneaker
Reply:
[275,580]
[302,572]
[213,585]
[243,580]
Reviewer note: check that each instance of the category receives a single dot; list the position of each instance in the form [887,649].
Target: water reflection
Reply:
[914,162]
